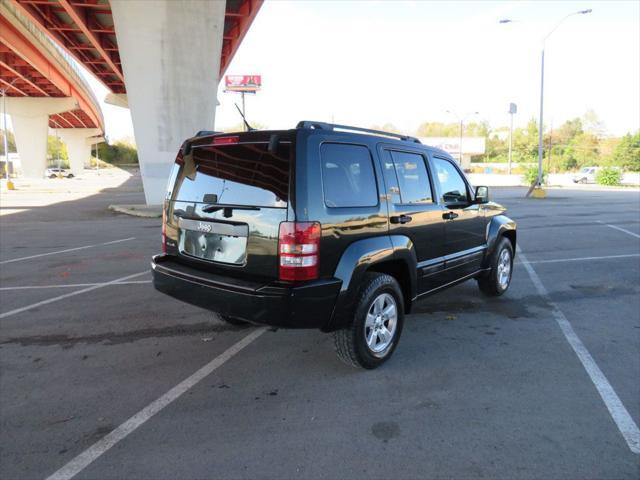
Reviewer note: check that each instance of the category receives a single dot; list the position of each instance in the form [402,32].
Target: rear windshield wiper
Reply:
[227,208]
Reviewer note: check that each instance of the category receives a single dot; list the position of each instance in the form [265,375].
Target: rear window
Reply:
[242,174]
[347,176]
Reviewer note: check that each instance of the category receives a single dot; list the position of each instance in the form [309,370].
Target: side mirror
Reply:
[482,195]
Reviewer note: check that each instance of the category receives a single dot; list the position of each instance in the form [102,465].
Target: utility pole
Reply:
[461,120]
[513,108]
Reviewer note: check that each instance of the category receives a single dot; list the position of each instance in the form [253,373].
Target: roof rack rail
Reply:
[330,126]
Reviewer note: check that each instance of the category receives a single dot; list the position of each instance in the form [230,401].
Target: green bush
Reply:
[120,152]
[531,175]
[608,176]
[567,163]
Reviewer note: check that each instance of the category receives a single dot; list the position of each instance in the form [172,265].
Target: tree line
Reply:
[577,143]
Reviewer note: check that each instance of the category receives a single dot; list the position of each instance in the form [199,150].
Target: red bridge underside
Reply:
[27,72]
[85,29]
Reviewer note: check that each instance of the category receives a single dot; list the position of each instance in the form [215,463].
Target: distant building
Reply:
[470,146]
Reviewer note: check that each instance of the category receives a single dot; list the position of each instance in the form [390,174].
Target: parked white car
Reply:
[586,175]
[57,172]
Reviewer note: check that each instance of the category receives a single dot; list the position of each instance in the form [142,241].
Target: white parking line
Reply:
[71,285]
[580,259]
[620,229]
[619,413]
[67,250]
[87,457]
[70,294]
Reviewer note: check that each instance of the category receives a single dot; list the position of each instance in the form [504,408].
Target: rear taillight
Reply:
[164,229]
[299,250]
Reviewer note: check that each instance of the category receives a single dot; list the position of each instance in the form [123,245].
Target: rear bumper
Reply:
[305,306]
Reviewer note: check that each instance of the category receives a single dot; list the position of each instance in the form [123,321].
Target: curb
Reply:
[144,211]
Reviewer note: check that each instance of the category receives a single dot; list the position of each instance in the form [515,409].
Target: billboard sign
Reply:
[242,83]
[451,145]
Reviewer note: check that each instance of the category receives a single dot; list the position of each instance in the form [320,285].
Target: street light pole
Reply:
[544,40]
[540,147]
[461,120]
[6,134]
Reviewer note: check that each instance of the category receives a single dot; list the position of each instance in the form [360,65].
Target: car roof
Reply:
[367,135]
[364,135]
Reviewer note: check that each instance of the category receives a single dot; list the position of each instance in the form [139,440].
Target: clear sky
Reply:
[373,62]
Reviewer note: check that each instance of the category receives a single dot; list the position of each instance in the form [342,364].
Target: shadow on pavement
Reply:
[91,207]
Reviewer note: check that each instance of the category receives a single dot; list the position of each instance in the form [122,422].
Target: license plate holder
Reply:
[214,241]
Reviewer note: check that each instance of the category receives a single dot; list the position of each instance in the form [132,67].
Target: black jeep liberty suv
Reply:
[326,226]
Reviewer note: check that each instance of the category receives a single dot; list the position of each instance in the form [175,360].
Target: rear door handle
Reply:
[449,215]
[401,219]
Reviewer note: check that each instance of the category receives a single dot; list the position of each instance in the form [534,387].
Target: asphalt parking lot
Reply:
[102,377]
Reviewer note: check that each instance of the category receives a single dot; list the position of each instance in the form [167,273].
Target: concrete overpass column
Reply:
[78,146]
[31,143]
[170,54]
[30,119]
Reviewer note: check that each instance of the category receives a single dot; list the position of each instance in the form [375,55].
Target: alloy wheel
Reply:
[504,269]
[381,322]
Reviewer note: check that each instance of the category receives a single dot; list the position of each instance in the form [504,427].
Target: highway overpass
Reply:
[45,90]
[161,58]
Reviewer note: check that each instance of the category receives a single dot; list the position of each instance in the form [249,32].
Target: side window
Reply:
[347,176]
[412,177]
[390,178]
[454,188]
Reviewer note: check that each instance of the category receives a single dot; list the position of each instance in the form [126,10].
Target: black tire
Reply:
[70,175]
[491,284]
[52,176]
[351,342]
[583,181]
